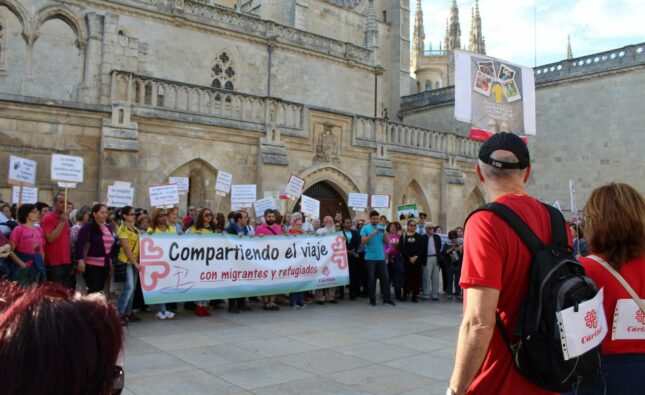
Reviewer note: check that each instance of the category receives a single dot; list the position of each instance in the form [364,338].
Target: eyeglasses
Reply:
[208,215]
[118,380]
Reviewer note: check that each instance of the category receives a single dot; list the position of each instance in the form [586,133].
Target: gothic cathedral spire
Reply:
[453,32]
[569,52]
[476,42]
[370,27]
[418,39]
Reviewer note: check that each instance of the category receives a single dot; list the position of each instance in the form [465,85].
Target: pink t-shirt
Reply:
[28,240]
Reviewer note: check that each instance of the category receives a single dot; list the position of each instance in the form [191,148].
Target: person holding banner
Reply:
[615,227]
[173,215]
[203,223]
[28,243]
[297,299]
[94,249]
[237,227]
[269,228]
[58,258]
[326,294]
[352,242]
[128,256]
[159,224]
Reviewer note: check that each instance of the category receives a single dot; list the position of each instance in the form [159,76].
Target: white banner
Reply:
[21,170]
[217,266]
[223,182]
[294,187]
[380,201]
[357,200]
[243,195]
[29,195]
[582,330]
[493,95]
[264,204]
[67,168]
[182,183]
[120,196]
[310,206]
[629,321]
[164,195]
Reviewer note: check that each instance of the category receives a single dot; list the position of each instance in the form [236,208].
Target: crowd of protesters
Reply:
[91,247]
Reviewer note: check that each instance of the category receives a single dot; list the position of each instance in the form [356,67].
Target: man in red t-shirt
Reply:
[58,260]
[495,273]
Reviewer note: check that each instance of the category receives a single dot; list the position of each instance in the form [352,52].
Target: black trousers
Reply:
[95,277]
[62,274]
[355,271]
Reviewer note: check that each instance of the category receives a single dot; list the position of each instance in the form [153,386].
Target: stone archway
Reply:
[475,199]
[201,184]
[413,193]
[331,201]
[334,178]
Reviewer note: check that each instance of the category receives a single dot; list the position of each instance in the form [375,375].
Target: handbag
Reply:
[621,280]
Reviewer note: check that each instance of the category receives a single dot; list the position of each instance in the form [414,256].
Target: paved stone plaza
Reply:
[348,348]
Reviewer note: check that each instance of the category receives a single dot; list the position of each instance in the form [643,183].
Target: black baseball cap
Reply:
[507,142]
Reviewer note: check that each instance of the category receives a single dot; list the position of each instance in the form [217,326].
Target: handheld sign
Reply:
[380,201]
[243,195]
[408,210]
[120,196]
[67,168]
[263,205]
[294,187]
[182,183]
[357,201]
[310,206]
[164,195]
[582,327]
[29,195]
[21,171]
[223,182]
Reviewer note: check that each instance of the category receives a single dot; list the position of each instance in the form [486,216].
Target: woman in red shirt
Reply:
[615,230]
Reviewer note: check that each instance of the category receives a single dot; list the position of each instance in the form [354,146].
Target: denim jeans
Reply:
[622,374]
[127,295]
[377,269]
[296,298]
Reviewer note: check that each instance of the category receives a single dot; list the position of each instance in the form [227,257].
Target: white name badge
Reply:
[629,321]
[582,330]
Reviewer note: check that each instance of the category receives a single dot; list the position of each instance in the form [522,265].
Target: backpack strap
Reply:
[558,227]
[532,242]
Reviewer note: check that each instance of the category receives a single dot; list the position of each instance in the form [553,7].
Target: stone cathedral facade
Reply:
[149,89]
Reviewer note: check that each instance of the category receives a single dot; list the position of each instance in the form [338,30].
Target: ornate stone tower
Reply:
[476,41]
[569,52]
[418,38]
[453,31]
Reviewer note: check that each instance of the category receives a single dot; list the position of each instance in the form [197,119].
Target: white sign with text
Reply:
[120,196]
[22,171]
[244,195]
[29,195]
[67,168]
[182,183]
[294,187]
[629,321]
[223,182]
[357,200]
[264,204]
[380,201]
[310,206]
[164,195]
[584,329]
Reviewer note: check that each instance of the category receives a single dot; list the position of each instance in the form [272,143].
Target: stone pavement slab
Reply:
[348,348]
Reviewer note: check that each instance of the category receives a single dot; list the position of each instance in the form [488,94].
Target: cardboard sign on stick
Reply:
[244,195]
[264,204]
[223,182]
[357,201]
[380,201]
[310,206]
[21,171]
[294,187]
[67,168]
[182,183]
[29,195]
[164,195]
[120,196]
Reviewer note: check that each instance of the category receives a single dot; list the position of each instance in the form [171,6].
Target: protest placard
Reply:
[164,195]
[223,182]
[582,326]
[182,183]
[493,95]
[380,201]
[244,195]
[21,171]
[264,204]
[294,187]
[120,196]
[218,266]
[67,168]
[357,201]
[29,195]
[310,206]
[407,209]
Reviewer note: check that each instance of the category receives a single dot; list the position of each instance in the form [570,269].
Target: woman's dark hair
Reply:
[76,340]
[24,211]
[199,221]
[94,225]
[41,205]
[120,215]
[397,226]
[220,222]
[81,213]
[452,234]
[410,221]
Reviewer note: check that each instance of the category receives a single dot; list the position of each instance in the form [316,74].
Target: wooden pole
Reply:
[65,210]
[20,195]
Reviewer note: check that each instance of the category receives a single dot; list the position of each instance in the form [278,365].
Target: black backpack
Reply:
[557,281]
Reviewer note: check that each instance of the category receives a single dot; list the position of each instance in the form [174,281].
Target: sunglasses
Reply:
[208,215]
[118,380]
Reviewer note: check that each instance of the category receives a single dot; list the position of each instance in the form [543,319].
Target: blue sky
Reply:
[509,28]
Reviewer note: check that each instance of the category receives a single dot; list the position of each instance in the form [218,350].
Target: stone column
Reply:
[452,196]
[119,156]
[381,181]
[272,157]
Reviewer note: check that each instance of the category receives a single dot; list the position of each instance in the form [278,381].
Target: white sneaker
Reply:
[169,314]
[160,316]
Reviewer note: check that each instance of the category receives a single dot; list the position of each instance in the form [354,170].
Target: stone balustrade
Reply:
[407,136]
[154,93]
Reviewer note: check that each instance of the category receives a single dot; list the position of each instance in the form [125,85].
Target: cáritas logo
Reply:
[591,319]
